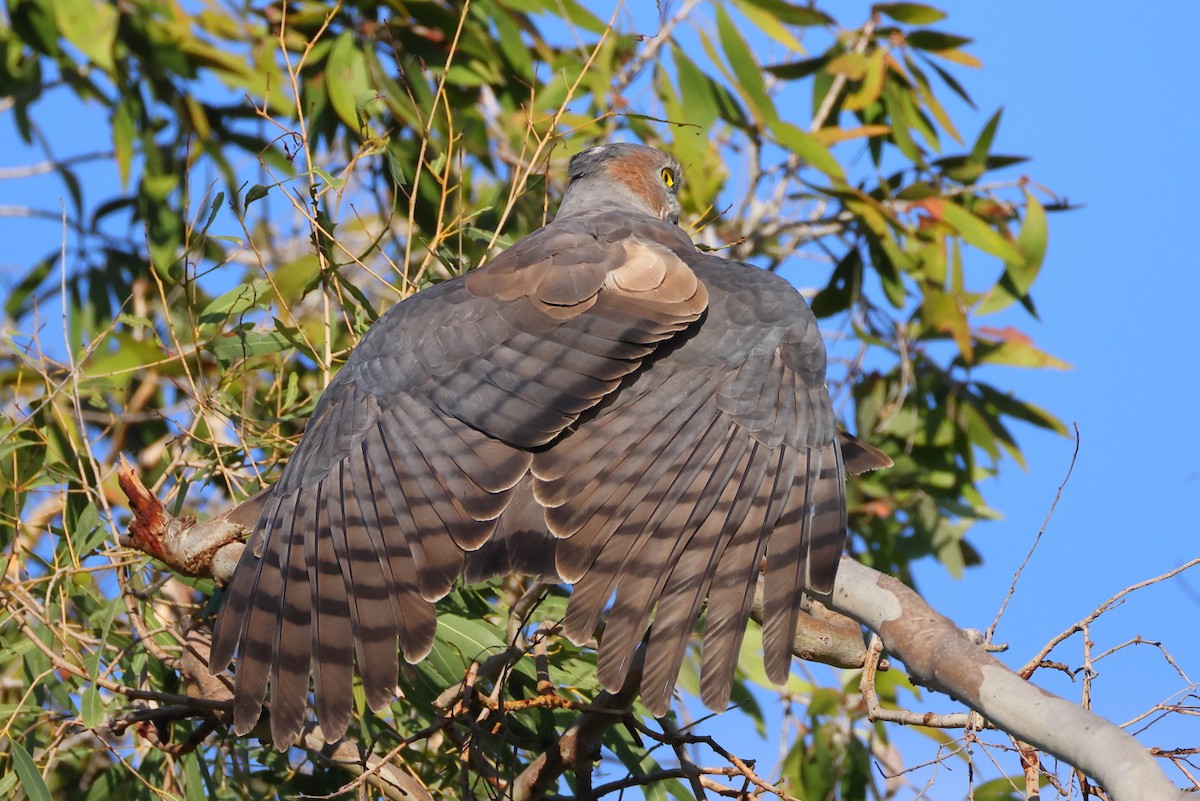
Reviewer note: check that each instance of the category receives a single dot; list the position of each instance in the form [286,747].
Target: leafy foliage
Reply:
[284,173]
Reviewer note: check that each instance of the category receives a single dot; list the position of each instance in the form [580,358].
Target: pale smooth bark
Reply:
[942,656]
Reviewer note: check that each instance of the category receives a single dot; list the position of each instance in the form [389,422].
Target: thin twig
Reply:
[745,768]
[1012,587]
[876,711]
[835,88]
[200,704]
[1037,659]
[653,45]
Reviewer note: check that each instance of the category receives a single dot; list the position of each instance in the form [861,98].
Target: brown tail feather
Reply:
[861,457]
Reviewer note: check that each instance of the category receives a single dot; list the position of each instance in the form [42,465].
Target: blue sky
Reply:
[1102,104]
[1105,103]
[1100,96]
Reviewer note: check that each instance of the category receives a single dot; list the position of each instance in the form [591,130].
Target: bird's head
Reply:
[626,175]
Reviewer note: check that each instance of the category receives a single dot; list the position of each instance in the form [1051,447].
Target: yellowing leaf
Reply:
[1019,276]
[961,57]
[946,313]
[1007,334]
[929,97]
[974,230]
[197,117]
[1017,351]
[872,86]
[770,24]
[873,215]
[206,55]
[852,65]
[911,13]
[829,136]
[89,25]
[1032,242]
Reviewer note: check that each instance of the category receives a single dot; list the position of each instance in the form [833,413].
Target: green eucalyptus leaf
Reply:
[935,40]
[745,66]
[27,772]
[346,79]
[975,231]
[256,192]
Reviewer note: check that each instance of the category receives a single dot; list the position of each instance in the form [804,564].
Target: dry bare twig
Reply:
[1012,588]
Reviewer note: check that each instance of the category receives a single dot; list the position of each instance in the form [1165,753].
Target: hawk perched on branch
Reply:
[603,405]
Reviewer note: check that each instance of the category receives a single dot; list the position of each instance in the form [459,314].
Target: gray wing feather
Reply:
[559,412]
[670,492]
[731,592]
[412,455]
[736,481]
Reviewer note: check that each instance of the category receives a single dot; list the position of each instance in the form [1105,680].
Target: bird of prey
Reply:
[603,405]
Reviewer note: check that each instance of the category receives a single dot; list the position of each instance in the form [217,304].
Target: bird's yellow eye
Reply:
[668,177]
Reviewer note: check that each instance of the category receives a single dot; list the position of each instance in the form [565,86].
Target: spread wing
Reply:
[417,446]
[718,452]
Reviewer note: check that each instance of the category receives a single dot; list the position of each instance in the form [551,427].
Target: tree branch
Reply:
[209,549]
[943,657]
[876,711]
[823,635]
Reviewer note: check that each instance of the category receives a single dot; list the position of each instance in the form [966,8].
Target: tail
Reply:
[859,457]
